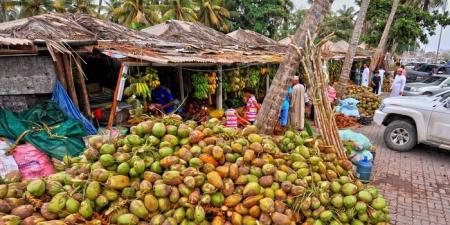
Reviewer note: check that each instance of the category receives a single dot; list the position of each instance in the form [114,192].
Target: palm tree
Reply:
[213,14]
[8,10]
[381,49]
[135,13]
[270,110]
[177,10]
[345,73]
[112,7]
[34,7]
[83,6]
[425,5]
[62,6]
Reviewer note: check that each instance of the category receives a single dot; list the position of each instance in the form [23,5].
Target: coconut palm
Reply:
[112,7]
[425,4]
[213,14]
[268,115]
[34,7]
[345,73]
[62,6]
[8,10]
[83,6]
[177,10]
[379,53]
[136,13]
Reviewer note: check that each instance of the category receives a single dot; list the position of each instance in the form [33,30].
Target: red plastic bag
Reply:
[32,162]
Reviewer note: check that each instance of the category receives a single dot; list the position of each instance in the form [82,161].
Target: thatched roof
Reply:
[191,33]
[251,38]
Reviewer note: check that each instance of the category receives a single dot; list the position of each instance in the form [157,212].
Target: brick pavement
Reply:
[416,183]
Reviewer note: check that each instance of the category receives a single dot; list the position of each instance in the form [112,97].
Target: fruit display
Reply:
[212,82]
[334,69]
[387,82]
[343,121]
[200,84]
[254,77]
[368,101]
[169,172]
[235,80]
[139,91]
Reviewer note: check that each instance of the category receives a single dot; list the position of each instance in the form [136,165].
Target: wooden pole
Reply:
[116,93]
[267,83]
[219,89]
[180,78]
[69,79]
[85,95]
[60,73]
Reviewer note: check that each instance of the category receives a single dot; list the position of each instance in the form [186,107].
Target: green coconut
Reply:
[378,203]
[349,189]
[349,201]
[159,130]
[36,187]
[365,196]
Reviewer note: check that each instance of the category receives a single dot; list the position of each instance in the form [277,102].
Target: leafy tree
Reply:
[177,10]
[62,6]
[266,17]
[341,23]
[83,6]
[34,7]
[136,13]
[8,10]
[213,14]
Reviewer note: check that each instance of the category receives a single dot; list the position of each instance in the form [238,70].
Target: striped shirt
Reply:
[232,120]
[252,110]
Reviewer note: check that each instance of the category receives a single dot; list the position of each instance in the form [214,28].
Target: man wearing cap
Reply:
[297,105]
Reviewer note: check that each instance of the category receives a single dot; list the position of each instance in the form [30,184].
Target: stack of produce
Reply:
[368,101]
[212,82]
[343,121]
[236,81]
[172,172]
[387,84]
[201,87]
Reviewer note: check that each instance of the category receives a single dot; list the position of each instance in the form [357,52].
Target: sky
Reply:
[432,40]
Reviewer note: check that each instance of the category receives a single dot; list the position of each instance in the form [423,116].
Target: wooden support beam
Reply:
[219,89]
[267,83]
[85,95]
[59,67]
[112,115]
[180,78]
[69,78]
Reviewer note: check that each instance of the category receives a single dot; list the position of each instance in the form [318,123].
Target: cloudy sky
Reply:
[433,40]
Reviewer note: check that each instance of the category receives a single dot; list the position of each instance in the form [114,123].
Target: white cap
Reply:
[295,78]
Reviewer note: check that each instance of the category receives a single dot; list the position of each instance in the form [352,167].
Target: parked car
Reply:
[413,66]
[411,120]
[430,86]
[425,71]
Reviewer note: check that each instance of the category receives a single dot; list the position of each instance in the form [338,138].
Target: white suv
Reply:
[411,120]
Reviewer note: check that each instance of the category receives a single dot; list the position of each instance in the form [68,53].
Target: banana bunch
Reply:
[212,82]
[201,87]
[334,69]
[236,81]
[151,76]
[142,90]
[253,77]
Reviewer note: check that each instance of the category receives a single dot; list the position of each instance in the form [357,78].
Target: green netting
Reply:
[45,127]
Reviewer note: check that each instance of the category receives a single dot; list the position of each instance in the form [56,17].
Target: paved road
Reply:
[416,183]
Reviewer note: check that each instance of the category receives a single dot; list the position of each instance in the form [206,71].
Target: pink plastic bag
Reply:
[32,162]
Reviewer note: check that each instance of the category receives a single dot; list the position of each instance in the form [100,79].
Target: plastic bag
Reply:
[356,156]
[8,166]
[348,107]
[32,163]
[361,142]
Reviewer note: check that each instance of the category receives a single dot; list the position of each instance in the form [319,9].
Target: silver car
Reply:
[430,86]
[425,71]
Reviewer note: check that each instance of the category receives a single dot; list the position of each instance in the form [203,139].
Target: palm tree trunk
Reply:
[99,7]
[357,29]
[270,110]
[384,37]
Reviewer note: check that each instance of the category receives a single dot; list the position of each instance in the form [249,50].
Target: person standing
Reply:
[376,79]
[297,105]
[358,76]
[381,72]
[284,114]
[251,106]
[365,76]
[399,83]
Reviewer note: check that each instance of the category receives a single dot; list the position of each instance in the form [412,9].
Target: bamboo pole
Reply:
[84,92]
[115,100]
[69,78]
[60,73]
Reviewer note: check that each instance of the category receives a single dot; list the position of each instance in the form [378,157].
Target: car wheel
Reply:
[428,93]
[400,135]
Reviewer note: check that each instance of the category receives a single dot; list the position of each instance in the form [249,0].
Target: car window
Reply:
[423,68]
[444,95]
[434,80]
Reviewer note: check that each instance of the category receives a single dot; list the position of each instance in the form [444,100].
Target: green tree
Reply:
[213,14]
[83,6]
[136,13]
[34,7]
[8,10]
[341,23]
[266,17]
[177,10]
[62,6]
